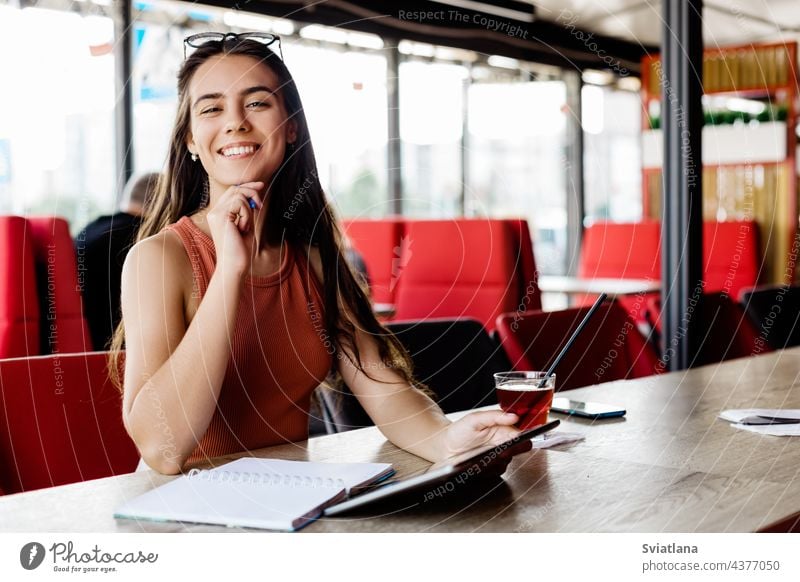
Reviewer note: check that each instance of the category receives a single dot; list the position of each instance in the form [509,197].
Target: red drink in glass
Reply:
[520,393]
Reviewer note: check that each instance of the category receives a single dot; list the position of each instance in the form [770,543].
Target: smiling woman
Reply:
[237,301]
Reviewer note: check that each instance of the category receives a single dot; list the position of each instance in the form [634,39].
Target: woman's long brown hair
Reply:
[297,213]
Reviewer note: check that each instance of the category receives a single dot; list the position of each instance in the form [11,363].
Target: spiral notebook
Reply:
[257,493]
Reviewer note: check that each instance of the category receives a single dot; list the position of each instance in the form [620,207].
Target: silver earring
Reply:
[194,157]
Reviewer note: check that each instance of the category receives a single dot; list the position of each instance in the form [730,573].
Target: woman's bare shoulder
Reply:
[160,253]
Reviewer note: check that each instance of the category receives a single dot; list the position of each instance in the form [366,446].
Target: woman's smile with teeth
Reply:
[238,150]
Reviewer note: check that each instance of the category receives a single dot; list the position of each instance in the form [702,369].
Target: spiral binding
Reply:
[284,480]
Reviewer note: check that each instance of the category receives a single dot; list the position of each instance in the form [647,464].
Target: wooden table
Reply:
[670,465]
[612,287]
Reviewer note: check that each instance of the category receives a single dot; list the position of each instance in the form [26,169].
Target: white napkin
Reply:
[735,416]
[551,439]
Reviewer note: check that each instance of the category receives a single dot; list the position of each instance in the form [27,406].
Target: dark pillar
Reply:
[462,201]
[682,223]
[393,147]
[123,108]
[576,206]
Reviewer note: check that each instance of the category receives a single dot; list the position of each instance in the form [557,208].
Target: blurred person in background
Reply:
[101,248]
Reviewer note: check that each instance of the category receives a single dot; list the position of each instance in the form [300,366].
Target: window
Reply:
[516,161]
[57,122]
[344,96]
[612,154]
[431,120]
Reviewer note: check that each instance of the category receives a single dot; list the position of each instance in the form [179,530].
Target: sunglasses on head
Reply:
[197,40]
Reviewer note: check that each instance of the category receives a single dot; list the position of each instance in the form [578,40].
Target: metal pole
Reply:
[573,165]
[393,147]
[462,202]
[682,224]
[123,108]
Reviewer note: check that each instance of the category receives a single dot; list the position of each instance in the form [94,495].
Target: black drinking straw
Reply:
[571,340]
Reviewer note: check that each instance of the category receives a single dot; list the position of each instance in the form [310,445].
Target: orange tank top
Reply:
[280,352]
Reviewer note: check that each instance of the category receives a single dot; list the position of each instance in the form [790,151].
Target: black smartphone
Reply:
[586,409]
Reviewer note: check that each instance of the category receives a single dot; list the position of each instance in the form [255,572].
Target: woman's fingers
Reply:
[239,202]
[240,212]
[490,418]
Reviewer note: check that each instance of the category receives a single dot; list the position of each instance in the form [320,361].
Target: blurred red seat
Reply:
[731,256]
[63,327]
[60,422]
[621,251]
[19,304]
[529,294]
[613,250]
[380,243]
[458,268]
[609,348]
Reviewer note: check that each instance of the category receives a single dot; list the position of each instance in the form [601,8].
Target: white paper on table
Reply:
[735,416]
[552,439]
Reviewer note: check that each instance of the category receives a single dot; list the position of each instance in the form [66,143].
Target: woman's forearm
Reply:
[175,405]
[415,424]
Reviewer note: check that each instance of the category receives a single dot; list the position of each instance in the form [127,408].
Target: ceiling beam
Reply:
[560,43]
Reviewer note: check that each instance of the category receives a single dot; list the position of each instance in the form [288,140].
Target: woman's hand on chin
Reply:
[231,221]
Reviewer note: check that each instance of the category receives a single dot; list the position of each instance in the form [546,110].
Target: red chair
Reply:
[731,255]
[526,264]
[64,329]
[19,303]
[60,422]
[622,251]
[458,268]
[726,332]
[609,348]
[380,243]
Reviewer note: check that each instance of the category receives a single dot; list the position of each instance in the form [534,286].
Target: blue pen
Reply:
[250,202]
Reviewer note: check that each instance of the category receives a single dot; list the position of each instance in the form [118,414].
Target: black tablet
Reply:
[444,476]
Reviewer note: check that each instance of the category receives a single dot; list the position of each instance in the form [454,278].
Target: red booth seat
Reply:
[60,422]
[380,243]
[458,268]
[19,303]
[64,329]
[731,253]
[449,268]
[621,251]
